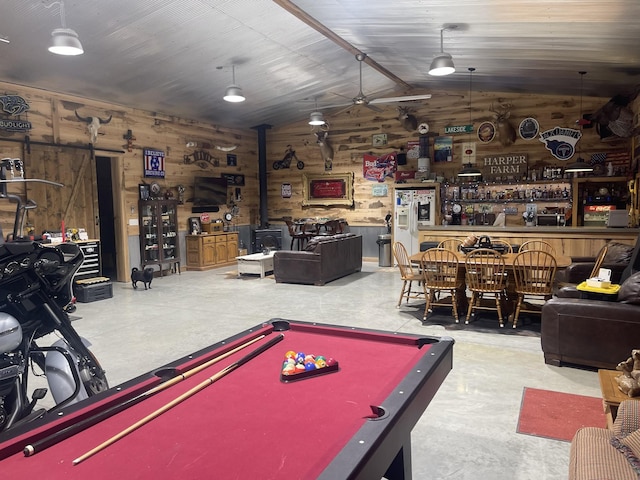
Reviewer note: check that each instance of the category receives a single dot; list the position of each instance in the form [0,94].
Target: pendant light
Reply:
[233,93]
[316,118]
[442,64]
[468,169]
[579,165]
[65,41]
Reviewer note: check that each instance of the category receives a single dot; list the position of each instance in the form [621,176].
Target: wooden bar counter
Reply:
[568,241]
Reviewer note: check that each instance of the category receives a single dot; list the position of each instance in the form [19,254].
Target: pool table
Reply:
[353,422]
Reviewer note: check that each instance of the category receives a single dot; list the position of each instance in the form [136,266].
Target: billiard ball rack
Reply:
[292,377]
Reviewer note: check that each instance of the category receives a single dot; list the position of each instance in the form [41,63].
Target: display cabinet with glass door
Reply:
[159,242]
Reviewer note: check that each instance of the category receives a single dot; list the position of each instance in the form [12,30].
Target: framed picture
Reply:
[145,191]
[195,227]
[379,140]
[327,189]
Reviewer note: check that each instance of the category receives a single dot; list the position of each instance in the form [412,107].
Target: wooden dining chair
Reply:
[407,274]
[452,244]
[441,274]
[505,247]
[297,235]
[538,245]
[534,272]
[485,276]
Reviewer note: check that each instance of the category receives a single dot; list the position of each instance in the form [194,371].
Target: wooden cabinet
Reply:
[210,250]
[159,243]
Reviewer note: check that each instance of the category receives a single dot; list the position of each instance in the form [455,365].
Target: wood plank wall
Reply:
[350,134]
[54,120]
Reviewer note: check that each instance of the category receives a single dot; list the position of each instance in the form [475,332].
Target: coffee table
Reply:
[612,397]
[256,263]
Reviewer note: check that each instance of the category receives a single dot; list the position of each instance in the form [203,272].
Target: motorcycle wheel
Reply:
[300,165]
[276,165]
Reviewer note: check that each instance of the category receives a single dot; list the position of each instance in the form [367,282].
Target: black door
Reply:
[106,218]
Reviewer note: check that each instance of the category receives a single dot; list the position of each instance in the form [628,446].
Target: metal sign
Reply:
[458,129]
[14,105]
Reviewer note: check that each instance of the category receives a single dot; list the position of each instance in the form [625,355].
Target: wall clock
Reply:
[155,189]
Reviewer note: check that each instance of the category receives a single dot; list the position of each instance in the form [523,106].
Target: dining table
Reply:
[509,258]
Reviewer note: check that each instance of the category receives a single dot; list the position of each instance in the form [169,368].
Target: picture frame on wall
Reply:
[327,189]
[195,226]
[145,191]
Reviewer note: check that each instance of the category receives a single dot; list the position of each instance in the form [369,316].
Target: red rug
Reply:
[557,415]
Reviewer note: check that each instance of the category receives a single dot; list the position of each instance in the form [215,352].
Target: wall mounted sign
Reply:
[505,167]
[413,149]
[232,160]
[528,128]
[285,190]
[234,179]
[333,189]
[443,149]
[468,152]
[379,140]
[561,141]
[379,190]
[378,168]
[486,132]
[14,105]
[458,129]
[153,163]
[202,159]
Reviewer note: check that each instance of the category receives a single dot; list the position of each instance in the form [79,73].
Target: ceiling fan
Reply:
[362,99]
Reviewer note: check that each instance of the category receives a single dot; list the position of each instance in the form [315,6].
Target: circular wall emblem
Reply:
[486,132]
[529,128]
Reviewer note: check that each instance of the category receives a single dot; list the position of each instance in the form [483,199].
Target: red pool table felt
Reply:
[248,424]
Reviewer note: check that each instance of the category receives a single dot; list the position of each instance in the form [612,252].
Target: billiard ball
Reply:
[320,363]
[290,354]
[300,357]
[309,366]
[331,362]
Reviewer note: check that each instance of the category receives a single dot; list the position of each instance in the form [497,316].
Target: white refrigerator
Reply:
[413,208]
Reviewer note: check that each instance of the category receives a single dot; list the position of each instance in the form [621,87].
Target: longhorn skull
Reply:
[93,125]
[326,150]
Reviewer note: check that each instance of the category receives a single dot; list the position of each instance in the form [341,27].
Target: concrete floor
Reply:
[467,432]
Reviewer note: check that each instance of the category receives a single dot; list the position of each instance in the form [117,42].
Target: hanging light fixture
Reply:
[65,41]
[233,93]
[316,118]
[579,165]
[468,169]
[442,64]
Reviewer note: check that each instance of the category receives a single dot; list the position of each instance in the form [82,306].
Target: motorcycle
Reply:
[36,299]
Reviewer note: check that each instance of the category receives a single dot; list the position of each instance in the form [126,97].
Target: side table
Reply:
[611,394]
[256,263]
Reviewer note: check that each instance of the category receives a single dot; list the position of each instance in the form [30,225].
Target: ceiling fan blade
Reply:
[373,107]
[406,98]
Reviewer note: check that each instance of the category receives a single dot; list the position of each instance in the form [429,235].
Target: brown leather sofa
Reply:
[325,259]
[593,333]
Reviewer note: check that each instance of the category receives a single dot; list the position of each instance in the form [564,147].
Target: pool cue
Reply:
[209,381]
[71,430]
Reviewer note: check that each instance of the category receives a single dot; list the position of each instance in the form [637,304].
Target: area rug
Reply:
[558,415]
[483,321]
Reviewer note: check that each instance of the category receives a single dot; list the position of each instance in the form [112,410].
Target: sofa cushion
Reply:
[618,253]
[593,457]
[630,290]
[629,446]
[628,418]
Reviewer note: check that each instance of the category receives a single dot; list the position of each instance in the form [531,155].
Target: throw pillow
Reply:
[628,418]
[629,446]
[630,290]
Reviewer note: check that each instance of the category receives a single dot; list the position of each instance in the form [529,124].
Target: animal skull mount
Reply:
[326,150]
[506,131]
[93,125]
[408,121]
